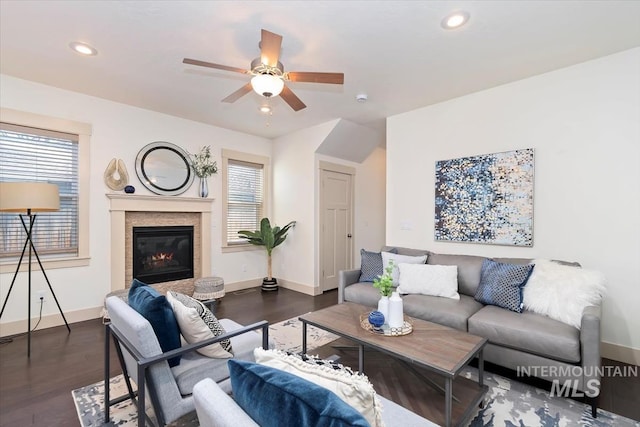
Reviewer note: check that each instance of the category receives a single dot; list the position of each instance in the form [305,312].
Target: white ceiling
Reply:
[395,51]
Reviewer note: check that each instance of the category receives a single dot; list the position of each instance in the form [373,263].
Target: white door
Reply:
[336,246]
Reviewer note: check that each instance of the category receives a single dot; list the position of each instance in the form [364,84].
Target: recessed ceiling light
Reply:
[455,20]
[83,49]
[266,109]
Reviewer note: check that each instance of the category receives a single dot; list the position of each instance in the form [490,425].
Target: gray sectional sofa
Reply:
[551,349]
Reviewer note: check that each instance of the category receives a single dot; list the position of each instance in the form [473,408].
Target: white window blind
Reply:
[39,155]
[245,198]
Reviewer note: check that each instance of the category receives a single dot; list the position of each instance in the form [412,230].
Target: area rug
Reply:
[514,404]
[509,403]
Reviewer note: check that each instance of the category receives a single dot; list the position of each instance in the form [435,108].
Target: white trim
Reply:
[243,157]
[620,352]
[83,130]
[20,326]
[299,287]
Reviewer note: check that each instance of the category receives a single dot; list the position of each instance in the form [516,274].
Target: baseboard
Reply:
[620,353]
[299,287]
[49,321]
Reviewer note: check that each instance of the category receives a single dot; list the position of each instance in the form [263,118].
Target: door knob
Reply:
[349,235]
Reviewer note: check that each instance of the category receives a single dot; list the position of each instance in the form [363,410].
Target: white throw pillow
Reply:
[398,259]
[562,292]
[353,388]
[194,329]
[425,279]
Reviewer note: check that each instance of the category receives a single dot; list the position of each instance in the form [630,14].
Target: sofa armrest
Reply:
[346,278]
[590,347]
[215,408]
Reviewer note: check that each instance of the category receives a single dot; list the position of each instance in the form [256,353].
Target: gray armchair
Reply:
[170,389]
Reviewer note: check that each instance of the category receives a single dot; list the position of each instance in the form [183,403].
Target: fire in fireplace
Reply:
[162,254]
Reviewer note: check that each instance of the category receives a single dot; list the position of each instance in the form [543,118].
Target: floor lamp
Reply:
[29,197]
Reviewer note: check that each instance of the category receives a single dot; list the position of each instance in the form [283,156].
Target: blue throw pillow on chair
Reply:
[156,309]
[275,398]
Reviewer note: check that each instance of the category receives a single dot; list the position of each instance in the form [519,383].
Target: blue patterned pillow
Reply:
[275,398]
[501,284]
[156,309]
[371,265]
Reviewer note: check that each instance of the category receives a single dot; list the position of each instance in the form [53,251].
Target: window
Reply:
[245,179]
[41,149]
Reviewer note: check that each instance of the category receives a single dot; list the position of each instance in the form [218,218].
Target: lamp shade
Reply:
[267,85]
[21,196]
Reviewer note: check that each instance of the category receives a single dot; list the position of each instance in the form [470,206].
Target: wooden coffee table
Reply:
[436,348]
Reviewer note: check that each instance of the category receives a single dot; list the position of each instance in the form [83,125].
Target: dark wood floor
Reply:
[37,391]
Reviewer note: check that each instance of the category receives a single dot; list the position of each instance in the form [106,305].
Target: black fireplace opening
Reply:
[162,254]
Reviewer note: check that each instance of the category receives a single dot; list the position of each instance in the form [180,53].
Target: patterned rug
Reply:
[510,403]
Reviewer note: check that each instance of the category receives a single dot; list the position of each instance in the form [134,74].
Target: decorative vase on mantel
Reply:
[203,189]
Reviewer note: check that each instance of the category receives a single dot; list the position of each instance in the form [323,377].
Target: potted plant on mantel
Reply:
[269,237]
[203,167]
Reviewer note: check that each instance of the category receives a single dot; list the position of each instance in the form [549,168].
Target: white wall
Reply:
[296,197]
[584,124]
[121,131]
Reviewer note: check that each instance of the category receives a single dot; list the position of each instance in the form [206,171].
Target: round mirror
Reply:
[164,168]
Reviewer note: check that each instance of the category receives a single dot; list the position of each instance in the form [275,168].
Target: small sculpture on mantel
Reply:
[116,176]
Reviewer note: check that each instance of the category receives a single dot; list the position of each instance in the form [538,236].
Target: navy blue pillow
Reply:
[156,309]
[275,398]
[501,284]
[371,265]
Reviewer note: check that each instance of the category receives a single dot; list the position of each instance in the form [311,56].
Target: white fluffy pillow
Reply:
[194,329]
[354,389]
[425,279]
[562,292]
[398,259]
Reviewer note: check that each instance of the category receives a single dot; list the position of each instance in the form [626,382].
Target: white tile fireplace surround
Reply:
[129,210]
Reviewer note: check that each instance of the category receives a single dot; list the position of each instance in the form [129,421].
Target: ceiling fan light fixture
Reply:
[455,20]
[267,85]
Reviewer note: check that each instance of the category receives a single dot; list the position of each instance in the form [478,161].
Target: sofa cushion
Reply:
[156,309]
[399,259]
[501,284]
[352,387]
[469,267]
[425,279]
[445,311]
[371,265]
[195,367]
[286,399]
[405,251]
[527,331]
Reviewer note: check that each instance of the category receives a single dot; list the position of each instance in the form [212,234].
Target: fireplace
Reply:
[162,254]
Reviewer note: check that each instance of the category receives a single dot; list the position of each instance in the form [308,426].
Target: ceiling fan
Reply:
[269,75]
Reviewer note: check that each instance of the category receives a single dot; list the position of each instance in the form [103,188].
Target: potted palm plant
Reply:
[269,237]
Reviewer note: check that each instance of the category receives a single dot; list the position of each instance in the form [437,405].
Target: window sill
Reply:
[241,248]
[50,264]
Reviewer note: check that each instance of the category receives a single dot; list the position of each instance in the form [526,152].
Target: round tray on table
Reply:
[385,330]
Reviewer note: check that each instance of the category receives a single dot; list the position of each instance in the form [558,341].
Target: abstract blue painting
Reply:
[486,199]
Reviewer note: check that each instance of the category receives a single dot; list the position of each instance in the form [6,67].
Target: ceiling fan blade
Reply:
[301,76]
[239,93]
[212,65]
[270,48]
[291,99]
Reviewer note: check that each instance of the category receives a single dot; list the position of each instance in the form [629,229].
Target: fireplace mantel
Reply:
[120,204]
